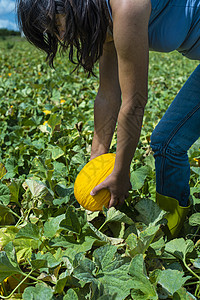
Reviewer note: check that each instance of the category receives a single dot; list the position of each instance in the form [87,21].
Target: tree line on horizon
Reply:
[6,32]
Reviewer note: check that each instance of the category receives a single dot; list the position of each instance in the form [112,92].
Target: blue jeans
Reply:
[173,136]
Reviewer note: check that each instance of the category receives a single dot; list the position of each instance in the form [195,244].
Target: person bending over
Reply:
[119,35]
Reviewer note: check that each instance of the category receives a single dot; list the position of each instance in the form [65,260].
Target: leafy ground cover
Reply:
[50,248]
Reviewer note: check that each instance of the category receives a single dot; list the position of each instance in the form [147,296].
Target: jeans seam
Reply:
[168,141]
[161,174]
[180,125]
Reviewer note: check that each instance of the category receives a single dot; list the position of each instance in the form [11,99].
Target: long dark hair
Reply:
[86,27]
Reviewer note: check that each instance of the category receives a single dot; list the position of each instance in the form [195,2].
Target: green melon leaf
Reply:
[39,292]
[179,247]
[71,295]
[138,177]
[112,271]
[142,287]
[52,226]
[8,262]
[172,280]
[194,220]
[4,194]
[30,231]
[71,221]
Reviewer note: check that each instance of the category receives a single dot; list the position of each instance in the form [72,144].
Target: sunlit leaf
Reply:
[149,212]
[54,120]
[74,246]
[113,215]
[30,231]
[71,295]
[182,294]
[14,188]
[3,170]
[4,194]
[138,177]
[71,221]
[39,292]
[39,189]
[194,220]
[112,272]
[142,287]
[8,263]
[56,151]
[6,217]
[172,280]
[179,247]
[51,261]
[52,226]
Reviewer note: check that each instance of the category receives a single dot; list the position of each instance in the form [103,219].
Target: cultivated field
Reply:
[50,248]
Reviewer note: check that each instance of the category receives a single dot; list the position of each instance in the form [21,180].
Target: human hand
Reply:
[118,185]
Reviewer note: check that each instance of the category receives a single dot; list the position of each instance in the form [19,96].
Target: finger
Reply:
[97,189]
[113,202]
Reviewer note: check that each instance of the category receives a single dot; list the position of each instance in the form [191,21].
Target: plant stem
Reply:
[35,279]
[101,226]
[197,291]
[12,212]
[190,270]
[67,165]
[27,276]
[192,283]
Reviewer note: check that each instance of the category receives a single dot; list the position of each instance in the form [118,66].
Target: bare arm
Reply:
[130,32]
[130,27]
[107,102]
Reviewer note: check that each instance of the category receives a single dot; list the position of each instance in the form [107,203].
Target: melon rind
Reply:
[92,174]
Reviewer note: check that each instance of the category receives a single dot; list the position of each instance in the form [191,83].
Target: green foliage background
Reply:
[49,246]
[7,33]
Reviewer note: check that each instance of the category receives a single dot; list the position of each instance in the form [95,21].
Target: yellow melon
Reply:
[92,174]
